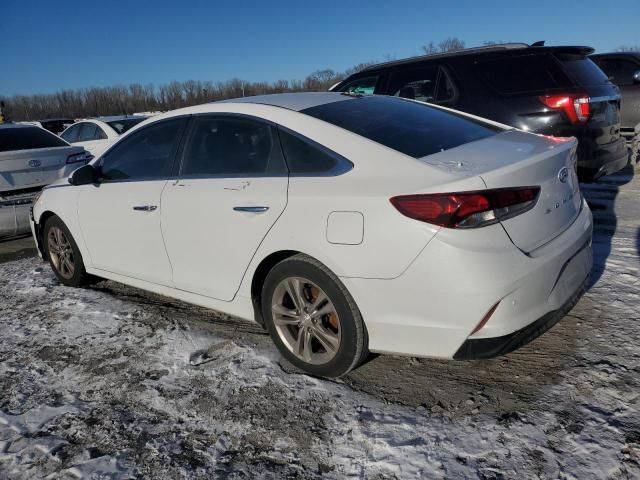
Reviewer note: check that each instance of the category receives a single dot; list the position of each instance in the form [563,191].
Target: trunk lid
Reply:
[30,168]
[519,159]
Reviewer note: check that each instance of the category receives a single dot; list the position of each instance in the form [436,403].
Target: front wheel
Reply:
[312,318]
[63,254]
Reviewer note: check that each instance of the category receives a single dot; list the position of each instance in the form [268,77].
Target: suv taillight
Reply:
[576,107]
[467,209]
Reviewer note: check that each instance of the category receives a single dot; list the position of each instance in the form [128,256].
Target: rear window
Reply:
[409,127]
[582,69]
[122,126]
[25,138]
[526,73]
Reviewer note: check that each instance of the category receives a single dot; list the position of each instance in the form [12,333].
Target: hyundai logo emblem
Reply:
[35,163]
[563,174]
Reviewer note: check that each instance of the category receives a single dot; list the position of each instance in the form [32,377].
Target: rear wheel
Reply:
[312,318]
[63,253]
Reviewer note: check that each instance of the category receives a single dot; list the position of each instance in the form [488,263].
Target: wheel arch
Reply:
[39,227]
[259,276]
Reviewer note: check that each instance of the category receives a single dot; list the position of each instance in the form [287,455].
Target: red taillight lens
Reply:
[467,209]
[576,107]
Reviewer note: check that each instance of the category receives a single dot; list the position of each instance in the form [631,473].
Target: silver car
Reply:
[30,158]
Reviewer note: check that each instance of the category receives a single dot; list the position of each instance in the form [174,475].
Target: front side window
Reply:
[228,146]
[71,134]
[145,155]
[362,86]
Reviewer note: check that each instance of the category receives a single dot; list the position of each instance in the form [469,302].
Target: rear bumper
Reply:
[14,220]
[600,160]
[433,308]
[14,212]
[480,348]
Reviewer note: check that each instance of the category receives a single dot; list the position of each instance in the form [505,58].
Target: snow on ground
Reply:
[107,382]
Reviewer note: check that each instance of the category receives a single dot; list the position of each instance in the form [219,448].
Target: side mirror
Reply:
[84,175]
[636,77]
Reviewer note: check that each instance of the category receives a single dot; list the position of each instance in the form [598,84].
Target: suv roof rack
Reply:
[498,47]
[463,51]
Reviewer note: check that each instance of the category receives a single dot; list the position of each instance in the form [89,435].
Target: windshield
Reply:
[26,138]
[413,128]
[123,125]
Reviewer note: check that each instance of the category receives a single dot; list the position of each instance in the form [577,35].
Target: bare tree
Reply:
[628,48]
[450,44]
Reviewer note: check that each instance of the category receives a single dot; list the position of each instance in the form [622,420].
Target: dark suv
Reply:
[623,69]
[549,90]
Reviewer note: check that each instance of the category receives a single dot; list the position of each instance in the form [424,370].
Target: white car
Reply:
[30,158]
[343,224]
[96,134]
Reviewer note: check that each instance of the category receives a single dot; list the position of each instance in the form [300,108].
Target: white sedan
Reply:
[96,134]
[343,224]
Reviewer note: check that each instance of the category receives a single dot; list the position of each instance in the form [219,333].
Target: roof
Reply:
[293,101]
[498,48]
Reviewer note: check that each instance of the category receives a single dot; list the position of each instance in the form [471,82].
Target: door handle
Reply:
[145,208]
[251,209]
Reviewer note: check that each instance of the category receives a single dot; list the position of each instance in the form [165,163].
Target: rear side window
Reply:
[227,146]
[145,155]
[526,73]
[305,157]
[71,134]
[417,84]
[583,71]
[88,132]
[26,138]
[413,128]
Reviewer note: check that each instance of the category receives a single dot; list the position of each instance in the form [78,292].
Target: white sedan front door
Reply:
[120,215]
[232,189]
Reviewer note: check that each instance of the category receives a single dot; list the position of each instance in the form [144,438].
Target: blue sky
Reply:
[46,46]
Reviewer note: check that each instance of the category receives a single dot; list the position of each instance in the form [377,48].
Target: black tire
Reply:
[353,347]
[79,276]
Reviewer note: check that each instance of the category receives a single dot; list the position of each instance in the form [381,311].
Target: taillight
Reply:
[85,157]
[467,209]
[576,107]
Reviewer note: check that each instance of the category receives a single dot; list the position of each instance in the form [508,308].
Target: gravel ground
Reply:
[109,382]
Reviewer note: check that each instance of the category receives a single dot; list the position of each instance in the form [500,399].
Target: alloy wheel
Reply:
[60,252]
[306,320]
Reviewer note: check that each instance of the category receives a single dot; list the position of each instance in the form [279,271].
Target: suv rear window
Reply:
[582,69]
[526,73]
[413,128]
[26,138]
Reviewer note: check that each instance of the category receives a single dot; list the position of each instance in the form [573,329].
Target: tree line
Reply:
[120,99]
